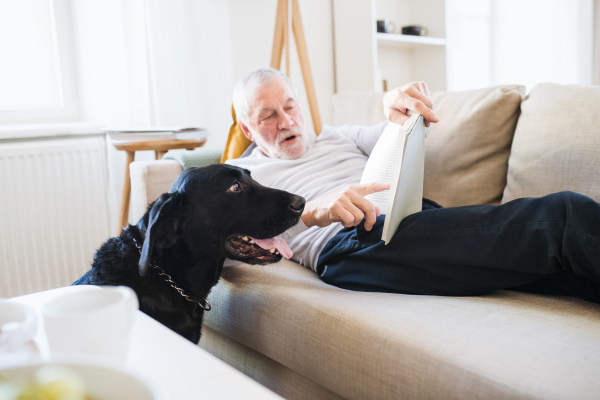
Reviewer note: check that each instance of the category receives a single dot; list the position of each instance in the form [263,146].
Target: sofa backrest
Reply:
[556,145]
[358,108]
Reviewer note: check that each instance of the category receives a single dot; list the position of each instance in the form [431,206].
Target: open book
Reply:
[398,157]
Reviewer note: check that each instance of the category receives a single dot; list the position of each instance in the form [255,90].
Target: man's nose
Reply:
[285,122]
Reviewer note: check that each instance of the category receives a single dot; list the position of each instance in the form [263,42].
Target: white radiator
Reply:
[53,212]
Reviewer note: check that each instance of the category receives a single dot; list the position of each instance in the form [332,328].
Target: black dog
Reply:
[209,214]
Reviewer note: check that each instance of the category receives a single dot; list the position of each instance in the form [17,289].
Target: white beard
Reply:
[292,152]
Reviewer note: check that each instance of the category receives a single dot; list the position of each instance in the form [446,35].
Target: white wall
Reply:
[251,29]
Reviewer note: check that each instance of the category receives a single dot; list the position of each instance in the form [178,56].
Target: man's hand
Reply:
[347,206]
[414,97]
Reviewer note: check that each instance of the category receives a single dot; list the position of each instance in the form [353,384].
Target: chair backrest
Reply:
[237,143]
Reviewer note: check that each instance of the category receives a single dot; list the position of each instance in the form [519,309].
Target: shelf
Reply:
[408,41]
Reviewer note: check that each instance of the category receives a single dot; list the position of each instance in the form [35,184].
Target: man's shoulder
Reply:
[252,153]
[330,132]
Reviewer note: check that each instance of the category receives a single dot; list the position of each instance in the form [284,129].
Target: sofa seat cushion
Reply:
[557,143]
[390,346]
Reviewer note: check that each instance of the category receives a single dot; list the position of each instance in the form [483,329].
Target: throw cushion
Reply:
[557,143]
[466,153]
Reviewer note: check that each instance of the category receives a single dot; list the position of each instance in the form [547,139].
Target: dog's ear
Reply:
[164,222]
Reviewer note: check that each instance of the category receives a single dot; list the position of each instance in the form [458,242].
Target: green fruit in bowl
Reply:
[51,382]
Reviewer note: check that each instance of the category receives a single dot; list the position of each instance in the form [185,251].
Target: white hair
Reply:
[260,77]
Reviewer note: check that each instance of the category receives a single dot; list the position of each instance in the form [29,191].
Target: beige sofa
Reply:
[305,339]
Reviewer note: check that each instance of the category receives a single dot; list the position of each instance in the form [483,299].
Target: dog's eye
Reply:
[236,187]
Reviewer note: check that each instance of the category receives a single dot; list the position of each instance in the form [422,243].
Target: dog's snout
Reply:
[297,204]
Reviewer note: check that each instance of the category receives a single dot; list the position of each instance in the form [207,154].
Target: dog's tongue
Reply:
[277,243]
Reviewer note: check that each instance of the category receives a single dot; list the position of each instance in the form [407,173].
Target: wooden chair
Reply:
[160,147]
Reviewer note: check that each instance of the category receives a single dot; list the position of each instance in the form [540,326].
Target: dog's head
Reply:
[219,211]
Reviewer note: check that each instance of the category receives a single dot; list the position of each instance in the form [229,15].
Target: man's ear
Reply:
[164,226]
[245,131]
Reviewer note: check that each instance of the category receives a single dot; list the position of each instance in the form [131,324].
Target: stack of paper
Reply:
[155,133]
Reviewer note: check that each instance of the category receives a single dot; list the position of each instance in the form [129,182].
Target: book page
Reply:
[380,166]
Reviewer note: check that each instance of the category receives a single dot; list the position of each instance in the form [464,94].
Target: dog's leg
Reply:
[195,336]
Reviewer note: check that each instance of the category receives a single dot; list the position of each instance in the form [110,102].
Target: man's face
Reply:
[276,123]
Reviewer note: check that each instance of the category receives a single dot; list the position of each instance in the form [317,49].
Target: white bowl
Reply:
[103,381]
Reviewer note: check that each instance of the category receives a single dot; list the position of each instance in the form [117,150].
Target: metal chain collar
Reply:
[160,271]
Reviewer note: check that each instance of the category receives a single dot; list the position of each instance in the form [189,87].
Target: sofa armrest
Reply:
[150,179]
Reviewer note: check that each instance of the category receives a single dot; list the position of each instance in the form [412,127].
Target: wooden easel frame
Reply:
[281,40]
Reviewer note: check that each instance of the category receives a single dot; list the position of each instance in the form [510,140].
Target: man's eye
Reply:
[236,187]
[268,117]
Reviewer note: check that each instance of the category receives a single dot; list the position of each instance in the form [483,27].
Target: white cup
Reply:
[93,322]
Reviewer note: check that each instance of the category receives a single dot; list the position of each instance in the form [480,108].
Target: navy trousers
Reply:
[545,245]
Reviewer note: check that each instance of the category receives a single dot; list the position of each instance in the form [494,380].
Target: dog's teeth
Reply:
[272,251]
[251,241]
[276,252]
[245,238]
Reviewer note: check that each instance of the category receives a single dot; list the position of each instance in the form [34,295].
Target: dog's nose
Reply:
[297,204]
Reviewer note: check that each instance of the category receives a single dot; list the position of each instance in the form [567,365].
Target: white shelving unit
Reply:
[365,58]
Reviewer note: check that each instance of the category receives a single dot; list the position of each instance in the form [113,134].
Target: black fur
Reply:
[188,232]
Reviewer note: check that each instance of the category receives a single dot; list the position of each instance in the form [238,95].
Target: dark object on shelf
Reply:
[414,30]
[383,26]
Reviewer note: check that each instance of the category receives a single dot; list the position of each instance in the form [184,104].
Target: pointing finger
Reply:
[369,188]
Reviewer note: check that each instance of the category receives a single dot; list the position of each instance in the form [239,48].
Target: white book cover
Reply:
[399,158]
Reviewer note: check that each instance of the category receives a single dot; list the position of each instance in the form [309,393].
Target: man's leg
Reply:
[476,249]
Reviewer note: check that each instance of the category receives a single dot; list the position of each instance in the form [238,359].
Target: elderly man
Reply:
[544,245]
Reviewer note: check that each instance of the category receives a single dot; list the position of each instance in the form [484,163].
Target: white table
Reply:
[185,370]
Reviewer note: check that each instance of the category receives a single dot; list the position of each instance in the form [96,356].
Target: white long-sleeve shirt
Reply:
[334,160]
